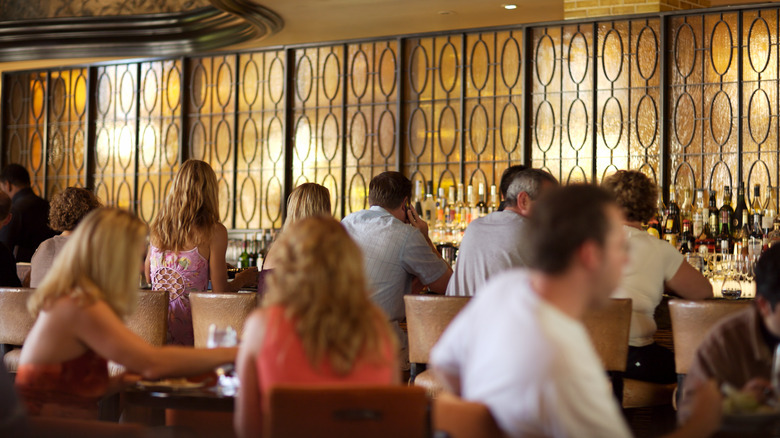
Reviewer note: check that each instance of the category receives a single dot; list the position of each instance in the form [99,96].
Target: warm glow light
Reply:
[509,6]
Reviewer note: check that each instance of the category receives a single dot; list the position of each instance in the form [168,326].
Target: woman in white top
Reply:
[654,265]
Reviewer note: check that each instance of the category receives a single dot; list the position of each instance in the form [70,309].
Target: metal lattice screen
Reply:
[691,99]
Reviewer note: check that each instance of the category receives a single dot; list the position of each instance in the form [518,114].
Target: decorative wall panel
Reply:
[24,129]
[66,163]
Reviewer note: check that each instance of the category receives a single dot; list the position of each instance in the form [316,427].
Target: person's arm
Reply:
[439,286]
[102,331]
[448,380]
[218,266]
[148,265]
[688,283]
[704,416]
[247,421]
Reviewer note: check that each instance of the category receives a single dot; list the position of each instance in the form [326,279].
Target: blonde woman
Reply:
[308,199]
[187,247]
[80,306]
[317,325]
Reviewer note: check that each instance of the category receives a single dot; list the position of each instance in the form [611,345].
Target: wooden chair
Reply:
[220,308]
[15,324]
[459,418]
[347,411]
[609,328]
[691,321]
[427,316]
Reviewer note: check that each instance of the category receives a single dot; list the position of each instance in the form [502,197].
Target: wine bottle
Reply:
[672,224]
[705,242]
[243,258]
[724,243]
[736,219]
[429,205]
[699,214]
[770,209]
[493,205]
[726,213]
[713,212]
[418,199]
[757,237]
[686,238]
[744,233]
[481,205]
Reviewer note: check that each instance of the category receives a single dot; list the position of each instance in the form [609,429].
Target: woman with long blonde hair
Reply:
[79,306]
[317,324]
[187,247]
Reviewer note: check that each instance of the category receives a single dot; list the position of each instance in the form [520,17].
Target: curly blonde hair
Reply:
[190,210]
[308,199]
[100,261]
[318,279]
[68,207]
[634,193]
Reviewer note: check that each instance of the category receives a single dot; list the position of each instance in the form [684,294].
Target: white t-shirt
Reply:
[532,365]
[652,261]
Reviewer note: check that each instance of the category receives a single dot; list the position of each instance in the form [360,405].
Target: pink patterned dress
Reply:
[179,273]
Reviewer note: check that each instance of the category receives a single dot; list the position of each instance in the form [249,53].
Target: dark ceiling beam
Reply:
[225,23]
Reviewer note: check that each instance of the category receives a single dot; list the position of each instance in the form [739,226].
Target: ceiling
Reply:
[332,20]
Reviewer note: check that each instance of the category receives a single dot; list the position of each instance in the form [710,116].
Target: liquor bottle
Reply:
[699,214]
[724,244]
[672,224]
[687,242]
[736,219]
[655,226]
[757,237]
[770,209]
[429,205]
[493,205]
[705,242]
[262,250]
[253,252]
[418,199]
[756,209]
[452,210]
[774,236]
[744,233]
[462,213]
[726,213]
[243,258]
[713,211]
[481,205]
[469,204]
[686,208]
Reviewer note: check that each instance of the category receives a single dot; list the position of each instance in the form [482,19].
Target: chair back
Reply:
[609,328]
[691,320]
[427,316]
[15,320]
[220,308]
[150,319]
[347,412]
[459,418]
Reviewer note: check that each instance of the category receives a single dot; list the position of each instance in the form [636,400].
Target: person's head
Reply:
[14,177]
[318,278]
[308,199]
[389,190]
[68,207]
[767,275]
[507,177]
[525,187]
[101,261]
[5,209]
[634,193]
[190,209]
[578,227]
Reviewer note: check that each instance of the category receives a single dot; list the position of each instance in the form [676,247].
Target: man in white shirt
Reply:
[520,348]
[495,243]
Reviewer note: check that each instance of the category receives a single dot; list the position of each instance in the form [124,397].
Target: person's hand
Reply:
[704,410]
[247,276]
[416,221]
[759,388]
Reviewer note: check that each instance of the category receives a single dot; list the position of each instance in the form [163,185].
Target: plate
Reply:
[169,384]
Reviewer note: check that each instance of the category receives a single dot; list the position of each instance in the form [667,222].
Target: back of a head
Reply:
[308,199]
[190,209]
[5,205]
[634,193]
[101,260]
[767,275]
[318,278]
[530,181]
[508,176]
[562,220]
[70,206]
[16,175]
[388,190]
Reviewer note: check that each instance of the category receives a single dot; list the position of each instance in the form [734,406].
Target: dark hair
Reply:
[562,220]
[70,206]
[5,205]
[767,275]
[508,176]
[388,190]
[634,193]
[16,175]
[530,181]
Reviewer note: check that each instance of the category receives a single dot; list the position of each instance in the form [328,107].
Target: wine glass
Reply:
[731,288]
[224,337]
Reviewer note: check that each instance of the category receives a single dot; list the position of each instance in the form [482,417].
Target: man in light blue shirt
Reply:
[395,244]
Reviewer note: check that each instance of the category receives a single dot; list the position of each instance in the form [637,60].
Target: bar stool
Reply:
[609,329]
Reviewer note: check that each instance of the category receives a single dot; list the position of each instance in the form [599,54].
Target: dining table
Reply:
[147,403]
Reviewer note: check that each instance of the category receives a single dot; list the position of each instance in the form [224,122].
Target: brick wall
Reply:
[598,8]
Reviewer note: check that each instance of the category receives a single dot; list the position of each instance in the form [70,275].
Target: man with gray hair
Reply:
[494,243]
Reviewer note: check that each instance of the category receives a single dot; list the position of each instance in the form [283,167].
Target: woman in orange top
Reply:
[317,325]
[91,286]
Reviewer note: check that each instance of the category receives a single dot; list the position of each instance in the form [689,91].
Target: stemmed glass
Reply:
[224,337]
[731,288]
